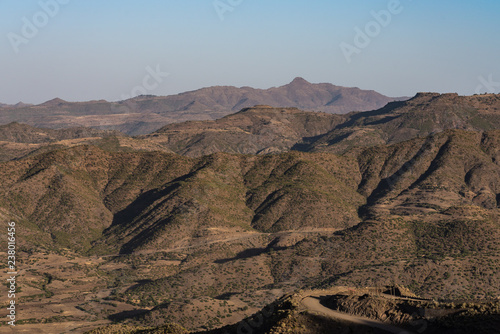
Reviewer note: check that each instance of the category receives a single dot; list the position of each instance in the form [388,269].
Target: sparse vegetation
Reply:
[113,232]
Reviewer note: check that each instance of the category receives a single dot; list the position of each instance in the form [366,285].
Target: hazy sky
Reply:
[87,49]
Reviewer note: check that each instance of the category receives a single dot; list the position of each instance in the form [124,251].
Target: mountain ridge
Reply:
[145,114]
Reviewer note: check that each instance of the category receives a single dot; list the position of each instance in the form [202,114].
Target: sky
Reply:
[81,50]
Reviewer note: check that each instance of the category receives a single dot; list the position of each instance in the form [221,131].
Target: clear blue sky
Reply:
[94,49]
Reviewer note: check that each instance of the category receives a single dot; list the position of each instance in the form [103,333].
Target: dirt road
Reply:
[313,304]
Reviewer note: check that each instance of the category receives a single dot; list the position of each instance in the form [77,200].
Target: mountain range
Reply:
[204,223]
[263,129]
[145,114]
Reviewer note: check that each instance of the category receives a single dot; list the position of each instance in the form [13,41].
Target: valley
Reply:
[201,225]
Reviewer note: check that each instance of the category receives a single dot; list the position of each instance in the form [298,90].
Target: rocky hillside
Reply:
[146,200]
[256,130]
[350,309]
[425,114]
[434,227]
[402,200]
[262,129]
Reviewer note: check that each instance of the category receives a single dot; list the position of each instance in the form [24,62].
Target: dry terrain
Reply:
[204,224]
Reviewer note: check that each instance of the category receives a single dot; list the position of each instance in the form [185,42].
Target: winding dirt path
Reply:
[313,304]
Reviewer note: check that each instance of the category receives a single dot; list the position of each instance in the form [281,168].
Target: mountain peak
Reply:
[21,105]
[54,102]
[298,81]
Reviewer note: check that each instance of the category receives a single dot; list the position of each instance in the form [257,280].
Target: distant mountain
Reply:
[298,94]
[145,114]
[17,105]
